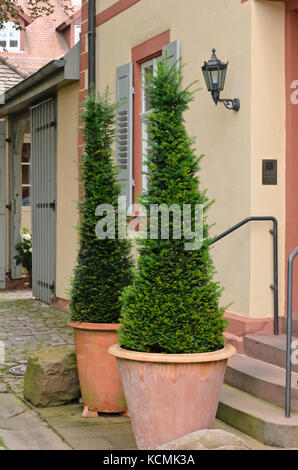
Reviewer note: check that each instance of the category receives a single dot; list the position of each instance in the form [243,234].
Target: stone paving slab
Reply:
[105,432]
[22,429]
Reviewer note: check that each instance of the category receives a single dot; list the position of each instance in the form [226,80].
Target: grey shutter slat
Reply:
[44,195]
[124,129]
[173,52]
[2,203]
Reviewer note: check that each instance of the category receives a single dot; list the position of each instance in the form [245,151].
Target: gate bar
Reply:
[289,332]
[273,286]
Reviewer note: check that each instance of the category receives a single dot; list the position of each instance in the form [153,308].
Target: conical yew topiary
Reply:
[173,304]
[104,266]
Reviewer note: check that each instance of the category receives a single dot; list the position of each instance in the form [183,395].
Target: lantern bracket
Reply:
[229,103]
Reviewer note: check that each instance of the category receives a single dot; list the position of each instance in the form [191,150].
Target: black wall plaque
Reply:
[269,172]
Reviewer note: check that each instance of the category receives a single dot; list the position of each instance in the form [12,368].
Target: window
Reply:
[131,127]
[147,68]
[9,37]
[77,33]
[145,58]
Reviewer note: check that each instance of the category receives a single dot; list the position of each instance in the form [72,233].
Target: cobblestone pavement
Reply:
[25,326]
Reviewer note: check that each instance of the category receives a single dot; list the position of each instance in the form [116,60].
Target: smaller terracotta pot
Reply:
[99,377]
[170,395]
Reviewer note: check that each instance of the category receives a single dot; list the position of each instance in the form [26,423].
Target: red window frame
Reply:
[140,54]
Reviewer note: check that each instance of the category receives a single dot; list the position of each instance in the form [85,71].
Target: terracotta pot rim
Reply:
[95,326]
[222,354]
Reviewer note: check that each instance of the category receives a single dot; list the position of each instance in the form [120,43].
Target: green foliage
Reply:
[173,303]
[24,250]
[10,10]
[103,267]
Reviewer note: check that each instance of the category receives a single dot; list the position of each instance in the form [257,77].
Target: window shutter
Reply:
[2,203]
[124,129]
[173,52]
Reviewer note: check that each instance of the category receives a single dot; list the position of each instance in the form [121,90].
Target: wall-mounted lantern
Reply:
[214,72]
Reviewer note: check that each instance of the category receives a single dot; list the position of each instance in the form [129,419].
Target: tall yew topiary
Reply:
[173,304]
[103,267]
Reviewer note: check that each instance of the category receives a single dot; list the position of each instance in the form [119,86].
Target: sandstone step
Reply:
[257,418]
[260,379]
[267,348]
[236,341]
[283,321]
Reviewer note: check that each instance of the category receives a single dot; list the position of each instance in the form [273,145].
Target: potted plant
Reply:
[103,267]
[24,253]
[172,355]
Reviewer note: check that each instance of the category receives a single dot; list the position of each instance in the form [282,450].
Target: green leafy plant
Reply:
[10,10]
[104,267]
[173,304]
[24,250]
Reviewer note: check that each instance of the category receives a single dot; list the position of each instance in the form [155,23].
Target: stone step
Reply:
[260,379]
[267,348]
[257,418]
[236,341]
[283,321]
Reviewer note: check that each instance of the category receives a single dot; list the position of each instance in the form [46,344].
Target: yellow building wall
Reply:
[233,143]
[67,187]
[103,4]
[251,37]
[268,141]
[221,135]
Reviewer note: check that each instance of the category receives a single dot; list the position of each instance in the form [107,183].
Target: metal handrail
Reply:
[289,332]
[273,286]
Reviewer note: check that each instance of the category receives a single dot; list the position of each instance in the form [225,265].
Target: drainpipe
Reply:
[91,43]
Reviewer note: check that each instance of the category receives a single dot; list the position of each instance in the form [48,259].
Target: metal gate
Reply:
[43,184]
[2,203]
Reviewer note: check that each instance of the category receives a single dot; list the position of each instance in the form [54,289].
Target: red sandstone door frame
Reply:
[291,229]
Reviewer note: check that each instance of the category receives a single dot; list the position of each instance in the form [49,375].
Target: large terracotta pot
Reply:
[170,395]
[98,372]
